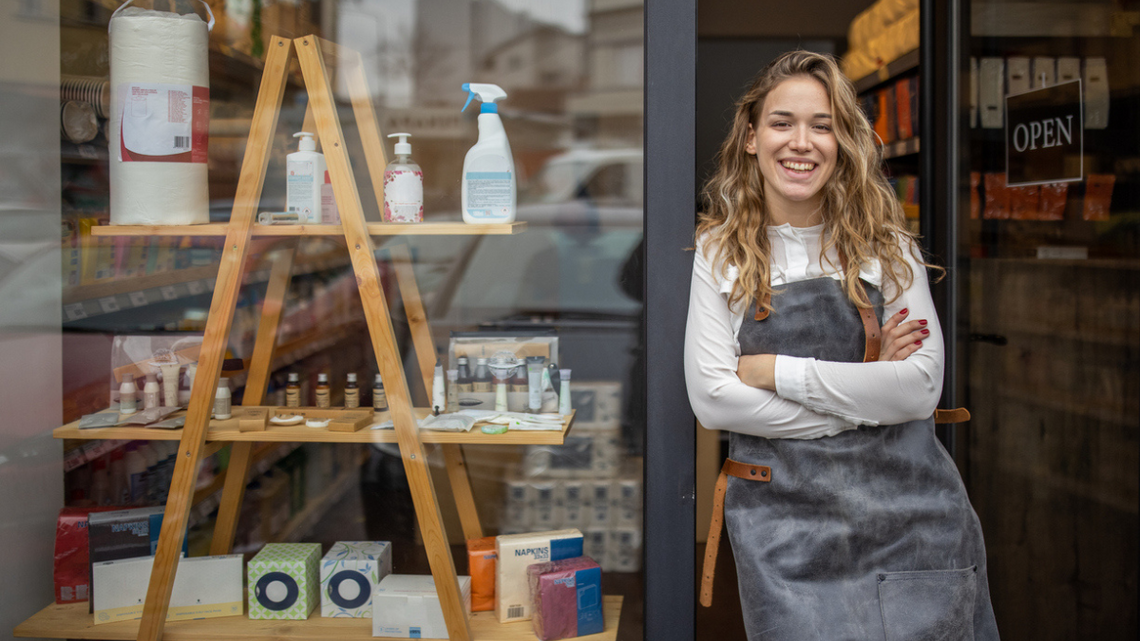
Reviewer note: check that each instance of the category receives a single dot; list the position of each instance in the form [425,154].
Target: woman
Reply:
[847,518]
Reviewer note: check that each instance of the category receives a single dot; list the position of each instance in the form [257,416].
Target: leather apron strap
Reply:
[761,473]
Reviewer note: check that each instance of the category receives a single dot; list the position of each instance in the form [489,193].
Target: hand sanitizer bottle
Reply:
[403,185]
[306,175]
[489,186]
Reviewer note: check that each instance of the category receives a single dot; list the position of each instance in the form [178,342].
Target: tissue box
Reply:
[204,587]
[350,573]
[283,581]
[407,606]
[516,552]
[481,566]
[567,598]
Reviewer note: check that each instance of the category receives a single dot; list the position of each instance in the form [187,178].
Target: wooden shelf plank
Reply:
[72,621]
[374,229]
[227,431]
[890,71]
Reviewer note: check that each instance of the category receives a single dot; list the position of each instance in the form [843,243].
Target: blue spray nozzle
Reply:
[488,94]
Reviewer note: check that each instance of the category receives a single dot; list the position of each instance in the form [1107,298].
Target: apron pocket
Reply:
[935,605]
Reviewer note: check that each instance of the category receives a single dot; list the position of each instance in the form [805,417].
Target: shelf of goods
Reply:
[226,431]
[201,434]
[887,72]
[374,229]
[900,148]
[72,621]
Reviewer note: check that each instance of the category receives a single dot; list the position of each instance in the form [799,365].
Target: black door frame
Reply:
[670,196]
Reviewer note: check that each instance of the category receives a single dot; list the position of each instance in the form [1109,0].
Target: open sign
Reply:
[1044,135]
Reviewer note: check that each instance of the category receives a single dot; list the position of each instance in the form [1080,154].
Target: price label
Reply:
[74,311]
[138,299]
[168,292]
[195,287]
[108,304]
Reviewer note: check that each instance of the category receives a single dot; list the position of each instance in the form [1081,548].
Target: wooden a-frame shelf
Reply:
[74,622]
[226,431]
[374,229]
[201,436]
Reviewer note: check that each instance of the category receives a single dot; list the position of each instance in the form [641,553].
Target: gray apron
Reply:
[867,534]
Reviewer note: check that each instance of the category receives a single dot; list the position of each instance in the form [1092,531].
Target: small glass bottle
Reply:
[222,399]
[151,392]
[293,390]
[452,390]
[379,398]
[482,383]
[323,393]
[351,392]
[463,376]
[128,395]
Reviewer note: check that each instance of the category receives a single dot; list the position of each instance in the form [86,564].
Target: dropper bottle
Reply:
[403,185]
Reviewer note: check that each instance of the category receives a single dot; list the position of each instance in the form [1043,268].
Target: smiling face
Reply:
[796,149]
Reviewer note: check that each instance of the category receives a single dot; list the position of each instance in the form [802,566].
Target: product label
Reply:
[403,196]
[322,397]
[351,398]
[488,194]
[163,122]
[300,191]
[379,399]
[481,386]
[292,397]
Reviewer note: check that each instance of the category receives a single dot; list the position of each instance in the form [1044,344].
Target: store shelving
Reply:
[226,431]
[900,148]
[887,72]
[374,229]
[72,621]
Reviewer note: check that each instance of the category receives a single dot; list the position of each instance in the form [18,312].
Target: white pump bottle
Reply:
[403,185]
[489,186]
[306,175]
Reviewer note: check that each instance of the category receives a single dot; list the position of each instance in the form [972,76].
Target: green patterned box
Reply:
[284,581]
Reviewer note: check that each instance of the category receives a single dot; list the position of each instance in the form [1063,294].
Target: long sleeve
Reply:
[718,397]
[881,393]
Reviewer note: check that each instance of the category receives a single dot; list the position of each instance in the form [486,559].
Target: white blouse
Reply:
[813,398]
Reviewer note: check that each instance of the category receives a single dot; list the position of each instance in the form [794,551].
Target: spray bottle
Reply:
[403,185]
[489,183]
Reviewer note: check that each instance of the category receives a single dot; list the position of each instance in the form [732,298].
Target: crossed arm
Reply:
[787,397]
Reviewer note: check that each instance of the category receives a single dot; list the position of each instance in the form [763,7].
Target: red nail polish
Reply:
[922,322]
[904,311]
[918,342]
[925,332]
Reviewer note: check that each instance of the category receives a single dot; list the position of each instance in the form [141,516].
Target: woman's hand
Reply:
[900,339]
[758,370]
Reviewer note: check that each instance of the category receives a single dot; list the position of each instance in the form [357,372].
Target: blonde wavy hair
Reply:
[861,214]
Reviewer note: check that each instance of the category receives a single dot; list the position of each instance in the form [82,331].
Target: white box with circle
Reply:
[350,572]
[407,606]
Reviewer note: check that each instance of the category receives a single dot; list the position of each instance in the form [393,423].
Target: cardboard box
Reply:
[72,567]
[124,534]
[350,573]
[204,587]
[284,580]
[407,606]
[515,553]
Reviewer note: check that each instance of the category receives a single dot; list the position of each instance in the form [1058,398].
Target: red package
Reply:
[997,198]
[1023,202]
[71,569]
[1052,205]
[481,559]
[1098,196]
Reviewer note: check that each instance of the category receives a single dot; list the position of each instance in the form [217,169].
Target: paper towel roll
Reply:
[159,118]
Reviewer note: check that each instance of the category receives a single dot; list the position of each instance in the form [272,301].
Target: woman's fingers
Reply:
[908,343]
[894,321]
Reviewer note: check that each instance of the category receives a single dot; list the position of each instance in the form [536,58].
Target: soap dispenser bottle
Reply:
[306,175]
[403,185]
[489,186]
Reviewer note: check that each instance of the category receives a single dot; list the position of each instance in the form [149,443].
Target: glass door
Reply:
[1049,251]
